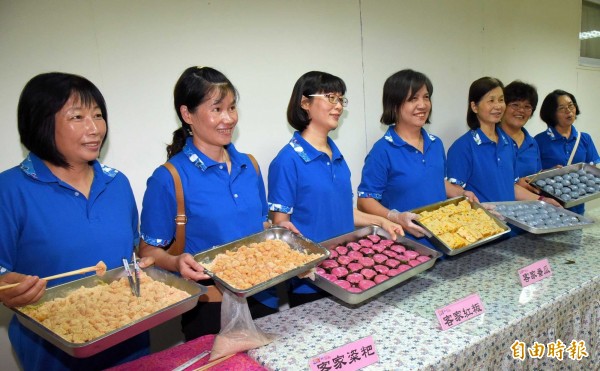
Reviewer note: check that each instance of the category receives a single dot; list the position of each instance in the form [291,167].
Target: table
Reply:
[407,335]
[170,358]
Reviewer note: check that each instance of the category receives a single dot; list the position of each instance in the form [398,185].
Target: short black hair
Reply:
[396,90]
[42,97]
[550,106]
[518,91]
[478,89]
[313,82]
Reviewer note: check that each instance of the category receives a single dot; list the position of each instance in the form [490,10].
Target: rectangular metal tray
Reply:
[295,241]
[447,249]
[584,222]
[356,298]
[87,349]
[564,170]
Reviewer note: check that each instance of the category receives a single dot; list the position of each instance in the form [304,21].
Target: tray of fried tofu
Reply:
[86,316]
[457,225]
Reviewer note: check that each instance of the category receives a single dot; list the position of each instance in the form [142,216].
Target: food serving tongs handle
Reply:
[138,275]
[129,277]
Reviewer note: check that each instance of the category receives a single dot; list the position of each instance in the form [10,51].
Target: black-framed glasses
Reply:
[568,108]
[333,99]
[520,107]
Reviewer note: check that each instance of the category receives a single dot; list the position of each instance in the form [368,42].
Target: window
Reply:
[589,37]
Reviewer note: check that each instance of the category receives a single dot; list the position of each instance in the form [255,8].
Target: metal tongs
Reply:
[134,280]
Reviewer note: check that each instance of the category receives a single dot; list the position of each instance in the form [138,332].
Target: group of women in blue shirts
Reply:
[309,188]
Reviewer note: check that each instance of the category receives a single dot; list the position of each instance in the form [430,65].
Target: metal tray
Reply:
[355,298]
[87,349]
[564,170]
[447,249]
[583,221]
[295,241]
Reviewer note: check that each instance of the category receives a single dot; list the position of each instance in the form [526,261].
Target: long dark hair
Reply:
[195,85]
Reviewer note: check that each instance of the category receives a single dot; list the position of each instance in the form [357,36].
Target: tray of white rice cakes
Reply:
[86,316]
[366,262]
[540,217]
[457,225]
[570,185]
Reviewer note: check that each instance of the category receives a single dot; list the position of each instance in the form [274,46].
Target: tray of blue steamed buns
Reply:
[540,217]
[570,185]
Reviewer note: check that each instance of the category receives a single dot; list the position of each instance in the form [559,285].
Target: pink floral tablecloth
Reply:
[170,358]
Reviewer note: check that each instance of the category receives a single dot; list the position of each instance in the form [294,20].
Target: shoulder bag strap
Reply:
[574,148]
[254,163]
[180,219]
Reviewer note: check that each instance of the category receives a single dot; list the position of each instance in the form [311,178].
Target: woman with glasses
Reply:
[406,168]
[483,159]
[557,144]
[309,180]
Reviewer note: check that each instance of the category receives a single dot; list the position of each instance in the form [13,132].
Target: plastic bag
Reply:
[238,331]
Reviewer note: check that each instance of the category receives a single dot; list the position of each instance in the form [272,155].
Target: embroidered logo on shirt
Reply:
[194,158]
[476,137]
[299,150]
[111,172]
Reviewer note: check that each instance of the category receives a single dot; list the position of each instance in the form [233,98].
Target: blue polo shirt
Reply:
[528,156]
[47,227]
[401,177]
[315,190]
[556,150]
[220,206]
[484,167]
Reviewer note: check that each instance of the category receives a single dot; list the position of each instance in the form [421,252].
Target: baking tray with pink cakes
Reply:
[367,262]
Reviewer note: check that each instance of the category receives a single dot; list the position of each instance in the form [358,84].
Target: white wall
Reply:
[135,50]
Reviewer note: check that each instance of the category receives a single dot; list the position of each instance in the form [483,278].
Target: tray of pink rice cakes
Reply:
[367,262]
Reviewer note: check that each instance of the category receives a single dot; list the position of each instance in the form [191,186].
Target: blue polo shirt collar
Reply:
[393,137]
[480,138]
[309,153]
[203,162]
[555,135]
[35,168]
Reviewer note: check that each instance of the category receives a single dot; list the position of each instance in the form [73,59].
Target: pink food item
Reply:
[342,250]
[355,255]
[393,272]
[386,243]
[390,253]
[392,263]
[368,273]
[354,246]
[378,247]
[380,278]
[381,269]
[333,254]
[403,258]
[379,258]
[398,248]
[339,272]
[411,254]
[423,258]
[344,260]
[414,262]
[365,242]
[367,251]
[373,237]
[343,283]
[328,264]
[354,267]
[329,277]
[320,270]
[366,284]
[403,268]
[355,277]
[354,290]
[367,262]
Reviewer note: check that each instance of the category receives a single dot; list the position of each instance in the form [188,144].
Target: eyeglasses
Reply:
[333,99]
[568,108]
[520,107]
